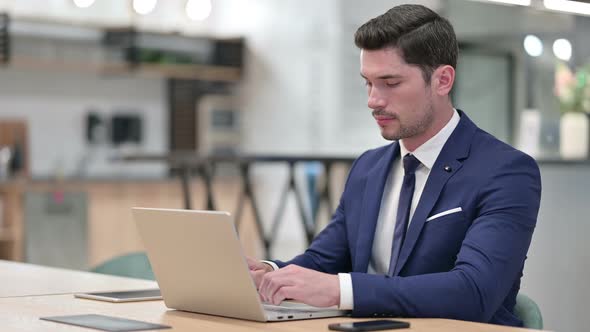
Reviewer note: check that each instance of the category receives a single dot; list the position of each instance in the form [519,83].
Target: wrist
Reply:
[267,267]
[336,295]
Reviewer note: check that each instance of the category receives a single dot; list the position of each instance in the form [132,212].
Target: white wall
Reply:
[482,21]
[55,106]
[291,68]
[557,270]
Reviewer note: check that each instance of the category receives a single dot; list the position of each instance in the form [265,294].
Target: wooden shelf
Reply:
[30,63]
[200,72]
[122,51]
[179,71]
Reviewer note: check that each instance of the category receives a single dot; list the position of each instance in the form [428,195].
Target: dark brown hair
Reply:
[423,37]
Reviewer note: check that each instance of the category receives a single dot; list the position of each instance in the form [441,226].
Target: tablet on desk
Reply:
[123,296]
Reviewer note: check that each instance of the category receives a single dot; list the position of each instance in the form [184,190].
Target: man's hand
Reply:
[257,270]
[300,284]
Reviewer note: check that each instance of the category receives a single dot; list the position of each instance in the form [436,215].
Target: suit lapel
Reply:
[455,150]
[371,205]
[436,181]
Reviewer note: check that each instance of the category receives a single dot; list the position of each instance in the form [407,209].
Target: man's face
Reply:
[398,95]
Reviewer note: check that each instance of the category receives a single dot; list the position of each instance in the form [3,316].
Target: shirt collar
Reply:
[428,152]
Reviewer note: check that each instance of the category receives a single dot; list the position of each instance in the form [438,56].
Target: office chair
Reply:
[133,265]
[528,311]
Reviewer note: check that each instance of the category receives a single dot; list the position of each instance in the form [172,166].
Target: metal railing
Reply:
[204,166]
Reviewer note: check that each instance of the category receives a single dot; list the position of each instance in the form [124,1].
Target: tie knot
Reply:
[410,164]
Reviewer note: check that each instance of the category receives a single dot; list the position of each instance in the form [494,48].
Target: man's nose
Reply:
[376,101]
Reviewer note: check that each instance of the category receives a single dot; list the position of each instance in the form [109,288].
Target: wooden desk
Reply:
[19,311]
[22,314]
[20,279]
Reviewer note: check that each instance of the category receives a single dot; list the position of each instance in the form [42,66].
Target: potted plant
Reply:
[573,93]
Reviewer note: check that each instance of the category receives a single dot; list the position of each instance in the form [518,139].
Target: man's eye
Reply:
[367,83]
[392,85]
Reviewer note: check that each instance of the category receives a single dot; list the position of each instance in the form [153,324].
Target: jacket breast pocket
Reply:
[444,213]
[440,241]
[451,220]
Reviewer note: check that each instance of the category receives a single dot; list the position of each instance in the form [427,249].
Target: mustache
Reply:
[384,113]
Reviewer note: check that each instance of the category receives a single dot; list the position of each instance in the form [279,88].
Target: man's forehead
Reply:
[383,69]
[383,63]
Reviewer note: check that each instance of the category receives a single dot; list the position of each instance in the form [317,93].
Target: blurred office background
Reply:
[109,104]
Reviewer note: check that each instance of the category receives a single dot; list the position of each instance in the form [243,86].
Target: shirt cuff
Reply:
[346,298]
[274,266]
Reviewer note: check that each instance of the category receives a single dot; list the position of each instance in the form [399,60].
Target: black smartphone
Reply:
[370,325]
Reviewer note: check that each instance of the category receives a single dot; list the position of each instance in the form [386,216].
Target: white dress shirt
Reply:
[427,154]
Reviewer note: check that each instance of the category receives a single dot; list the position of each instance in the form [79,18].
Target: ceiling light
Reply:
[83,3]
[144,7]
[575,7]
[562,48]
[533,45]
[514,2]
[198,10]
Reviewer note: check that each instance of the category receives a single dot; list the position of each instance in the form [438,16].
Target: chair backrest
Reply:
[134,265]
[528,311]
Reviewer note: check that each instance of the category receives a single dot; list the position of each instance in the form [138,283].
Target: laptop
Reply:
[198,263]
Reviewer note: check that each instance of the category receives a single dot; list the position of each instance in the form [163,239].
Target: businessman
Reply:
[435,224]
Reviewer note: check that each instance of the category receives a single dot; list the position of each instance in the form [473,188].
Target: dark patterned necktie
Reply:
[403,208]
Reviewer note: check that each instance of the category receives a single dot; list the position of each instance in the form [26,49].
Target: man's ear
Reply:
[442,80]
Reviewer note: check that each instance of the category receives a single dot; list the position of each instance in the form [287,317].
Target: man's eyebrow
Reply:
[385,77]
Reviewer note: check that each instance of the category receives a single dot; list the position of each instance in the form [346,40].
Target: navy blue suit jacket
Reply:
[464,265]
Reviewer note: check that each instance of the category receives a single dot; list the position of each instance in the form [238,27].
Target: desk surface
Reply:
[20,279]
[23,302]
[22,314]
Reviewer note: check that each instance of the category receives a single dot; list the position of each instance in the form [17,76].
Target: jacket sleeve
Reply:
[490,259]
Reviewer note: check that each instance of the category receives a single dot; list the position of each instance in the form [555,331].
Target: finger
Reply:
[277,294]
[265,282]
[257,277]
[254,264]
[265,285]
[282,294]
[268,278]
[276,283]
[286,273]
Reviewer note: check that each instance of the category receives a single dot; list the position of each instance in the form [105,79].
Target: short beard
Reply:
[416,129]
